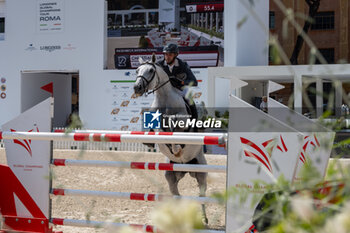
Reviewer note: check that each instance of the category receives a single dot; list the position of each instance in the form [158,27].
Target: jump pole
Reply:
[141,165]
[129,196]
[94,224]
[126,138]
[146,133]
[139,132]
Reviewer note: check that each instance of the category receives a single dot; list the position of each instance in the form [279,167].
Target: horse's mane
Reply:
[161,71]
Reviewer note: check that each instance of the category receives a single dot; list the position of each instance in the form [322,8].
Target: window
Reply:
[270,53]
[2,28]
[323,21]
[2,25]
[328,54]
[272,20]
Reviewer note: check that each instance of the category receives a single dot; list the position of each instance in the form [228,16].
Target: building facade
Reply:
[329,32]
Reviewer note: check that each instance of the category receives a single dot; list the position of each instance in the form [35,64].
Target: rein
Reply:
[155,89]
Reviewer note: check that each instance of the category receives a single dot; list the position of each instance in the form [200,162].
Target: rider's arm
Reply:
[190,79]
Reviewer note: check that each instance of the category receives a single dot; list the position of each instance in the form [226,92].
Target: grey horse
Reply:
[151,78]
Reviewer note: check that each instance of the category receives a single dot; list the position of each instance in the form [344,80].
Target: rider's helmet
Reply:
[171,48]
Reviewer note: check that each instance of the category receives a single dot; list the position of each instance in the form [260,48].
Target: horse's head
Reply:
[146,78]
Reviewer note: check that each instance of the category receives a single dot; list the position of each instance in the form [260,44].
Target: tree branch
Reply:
[313,8]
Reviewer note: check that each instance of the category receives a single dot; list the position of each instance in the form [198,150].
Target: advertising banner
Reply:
[125,111]
[50,16]
[29,159]
[200,56]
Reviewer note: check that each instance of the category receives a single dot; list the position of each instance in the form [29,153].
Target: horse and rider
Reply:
[168,80]
[180,77]
[180,74]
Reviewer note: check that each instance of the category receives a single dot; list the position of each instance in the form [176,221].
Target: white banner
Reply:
[50,16]
[167,11]
[29,159]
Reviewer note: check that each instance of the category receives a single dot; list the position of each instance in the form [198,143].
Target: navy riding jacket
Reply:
[181,75]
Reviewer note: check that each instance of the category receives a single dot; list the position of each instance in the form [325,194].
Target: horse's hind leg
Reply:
[202,184]
[173,179]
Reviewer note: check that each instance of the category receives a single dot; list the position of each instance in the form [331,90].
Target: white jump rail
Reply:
[130,196]
[98,137]
[138,132]
[141,165]
[94,224]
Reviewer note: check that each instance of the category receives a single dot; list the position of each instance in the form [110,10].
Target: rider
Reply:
[179,72]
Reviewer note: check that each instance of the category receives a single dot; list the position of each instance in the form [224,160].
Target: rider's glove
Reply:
[181,76]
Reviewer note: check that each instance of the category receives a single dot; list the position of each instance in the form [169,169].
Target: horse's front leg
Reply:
[173,179]
[201,178]
[177,150]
